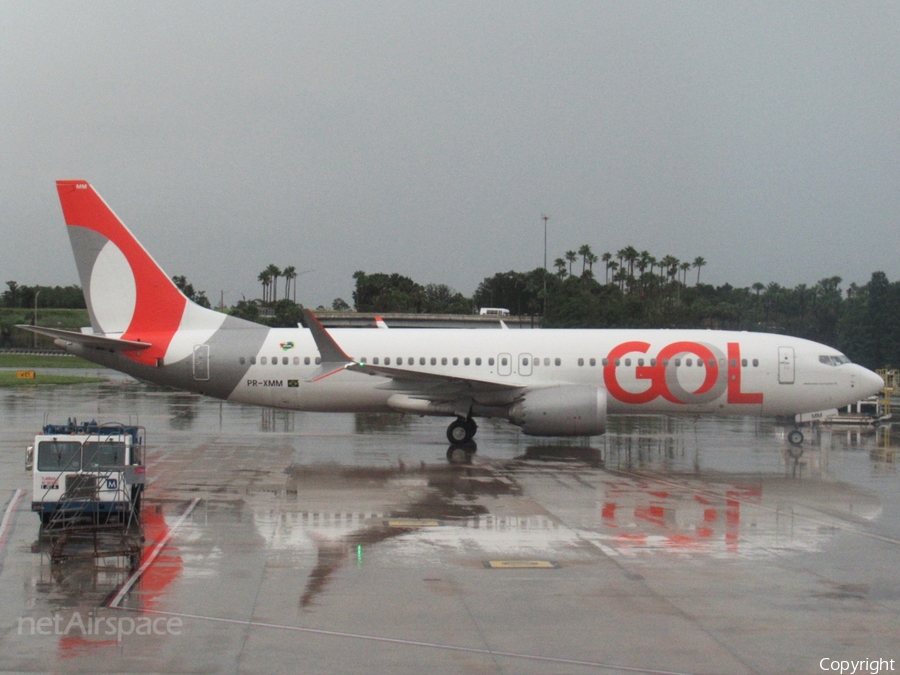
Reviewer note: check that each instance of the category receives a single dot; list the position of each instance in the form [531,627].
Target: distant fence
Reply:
[39,352]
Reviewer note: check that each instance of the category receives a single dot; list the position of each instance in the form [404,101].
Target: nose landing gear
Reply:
[461,431]
[795,438]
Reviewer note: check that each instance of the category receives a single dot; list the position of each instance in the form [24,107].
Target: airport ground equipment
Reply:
[88,482]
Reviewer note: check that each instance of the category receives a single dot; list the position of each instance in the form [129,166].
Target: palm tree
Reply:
[591,259]
[585,253]
[571,257]
[668,263]
[265,278]
[698,263]
[606,257]
[274,273]
[290,274]
[631,256]
[685,267]
[560,266]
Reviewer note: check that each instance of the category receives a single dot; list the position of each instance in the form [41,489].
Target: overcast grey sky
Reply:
[427,138]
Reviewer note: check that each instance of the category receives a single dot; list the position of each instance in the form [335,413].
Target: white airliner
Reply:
[547,382]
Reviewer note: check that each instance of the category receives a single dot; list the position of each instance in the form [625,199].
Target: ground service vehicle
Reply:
[86,471]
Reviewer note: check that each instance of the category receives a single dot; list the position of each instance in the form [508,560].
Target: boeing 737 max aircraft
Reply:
[547,382]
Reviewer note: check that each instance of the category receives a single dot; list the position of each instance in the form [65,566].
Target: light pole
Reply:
[34,322]
[546,218]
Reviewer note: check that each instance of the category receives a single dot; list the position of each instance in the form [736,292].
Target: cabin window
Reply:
[306,360]
[433,361]
[263,360]
[252,360]
[466,361]
[558,362]
[477,360]
[284,360]
[734,363]
[744,362]
[375,360]
[593,362]
[546,361]
[627,362]
[580,362]
[491,361]
[387,360]
[421,360]
[318,360]
[677,363]
[652,362]
[756,363]
[616,363]
[712,363]
[443,360]
[296,360]
[411,361]
[688,362]
[604,362]
[504,361]
[640,362]
[242,360]
[455,361]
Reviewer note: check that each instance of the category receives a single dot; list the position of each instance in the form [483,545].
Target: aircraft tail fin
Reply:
[127,293]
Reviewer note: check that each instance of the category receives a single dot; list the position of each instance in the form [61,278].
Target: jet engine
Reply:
[562,410]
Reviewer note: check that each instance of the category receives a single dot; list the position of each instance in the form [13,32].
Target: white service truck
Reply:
[86,471]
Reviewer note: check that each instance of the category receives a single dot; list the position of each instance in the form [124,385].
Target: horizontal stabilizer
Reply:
[89,339]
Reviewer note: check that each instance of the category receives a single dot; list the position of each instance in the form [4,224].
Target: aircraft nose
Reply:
[870,383]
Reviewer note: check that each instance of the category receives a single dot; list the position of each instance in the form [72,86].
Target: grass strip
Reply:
[9,379]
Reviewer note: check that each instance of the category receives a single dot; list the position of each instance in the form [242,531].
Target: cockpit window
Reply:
[838,360]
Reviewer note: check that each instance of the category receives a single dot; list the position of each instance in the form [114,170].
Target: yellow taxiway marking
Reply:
[520,564]
[412,522]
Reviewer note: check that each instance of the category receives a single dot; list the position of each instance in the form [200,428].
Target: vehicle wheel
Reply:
[795,437]
[471,427]
[458,432]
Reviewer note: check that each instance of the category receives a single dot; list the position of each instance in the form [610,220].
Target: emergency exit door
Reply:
[786,365]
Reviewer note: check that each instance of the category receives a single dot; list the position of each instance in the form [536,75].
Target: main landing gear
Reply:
[795,438]
[461,431]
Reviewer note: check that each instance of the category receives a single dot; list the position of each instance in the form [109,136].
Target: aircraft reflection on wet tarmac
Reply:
[234,489]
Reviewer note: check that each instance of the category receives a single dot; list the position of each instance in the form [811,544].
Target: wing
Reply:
[416,384]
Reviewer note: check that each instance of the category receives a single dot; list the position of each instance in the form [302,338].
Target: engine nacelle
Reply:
[562,410]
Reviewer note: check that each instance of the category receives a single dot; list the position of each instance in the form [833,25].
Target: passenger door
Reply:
[786,365]
[201,362]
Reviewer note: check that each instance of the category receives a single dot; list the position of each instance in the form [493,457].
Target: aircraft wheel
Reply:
[459,432]
[471,427]
[795,437]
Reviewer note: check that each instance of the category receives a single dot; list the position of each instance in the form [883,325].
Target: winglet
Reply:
[329,350]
